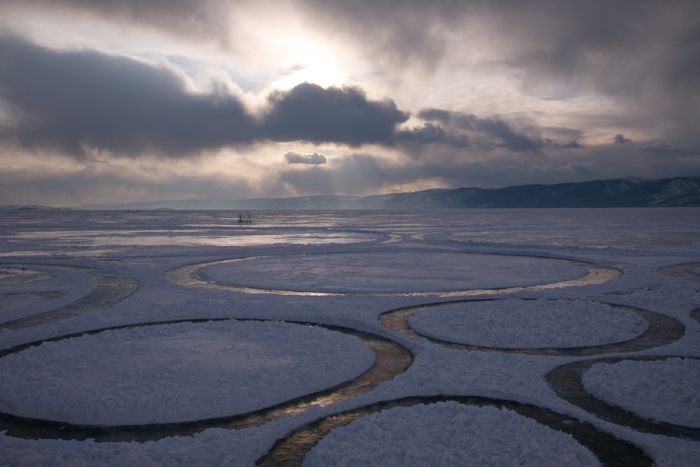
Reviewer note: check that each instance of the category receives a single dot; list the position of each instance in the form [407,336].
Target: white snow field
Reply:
[188,371]
[447,433]
[176,372]
[513,323]
[390,272]
[666,390]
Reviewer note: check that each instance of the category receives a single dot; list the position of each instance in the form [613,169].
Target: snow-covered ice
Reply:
[666,390]
[176,372]
[447,433]
[513,323]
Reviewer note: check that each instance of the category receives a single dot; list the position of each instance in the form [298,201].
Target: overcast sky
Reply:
[146,100]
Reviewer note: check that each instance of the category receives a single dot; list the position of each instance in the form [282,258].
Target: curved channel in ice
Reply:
[567,382]
[95,289]
[689,271]
[664,390]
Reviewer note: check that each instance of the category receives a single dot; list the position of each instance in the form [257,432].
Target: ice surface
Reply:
[447,433]
[176,372]
[410,271]
[637,241]
[513,323]
[667,390]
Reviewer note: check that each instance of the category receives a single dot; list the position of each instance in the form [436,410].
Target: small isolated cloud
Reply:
[573,144]
[312,159]
[620,139]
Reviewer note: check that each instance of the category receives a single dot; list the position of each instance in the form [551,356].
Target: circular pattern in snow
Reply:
[665,390]
[388,272]
[176,372]
[516,324]
[447,433]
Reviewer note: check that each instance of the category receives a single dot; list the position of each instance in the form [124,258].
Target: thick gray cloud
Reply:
[636,58]
[573,144]
[72,100]
[84,99]
[311,159]
[311,113]
[641,53]
[458,129]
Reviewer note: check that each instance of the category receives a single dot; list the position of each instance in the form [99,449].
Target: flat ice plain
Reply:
[193,370]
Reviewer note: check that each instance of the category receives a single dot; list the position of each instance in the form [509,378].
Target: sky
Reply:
[150,100]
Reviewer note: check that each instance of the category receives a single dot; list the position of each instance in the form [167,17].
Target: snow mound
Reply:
[447,433]
[390,272]
[514,323]
[176,372]
[664,390]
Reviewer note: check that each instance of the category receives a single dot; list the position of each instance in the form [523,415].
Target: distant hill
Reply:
[622,192]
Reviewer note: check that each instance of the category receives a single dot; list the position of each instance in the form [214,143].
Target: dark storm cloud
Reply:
[496,131]
[430,133]
[76,100]
[312,113]
[70,100]
[570,145]
[311,159]
[641,53]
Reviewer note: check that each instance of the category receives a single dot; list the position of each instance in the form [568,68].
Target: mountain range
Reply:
[621,192]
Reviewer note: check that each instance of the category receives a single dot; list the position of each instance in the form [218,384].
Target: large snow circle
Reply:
[392,272]
[447,433]
[665,390]
[176,372]
[514,323]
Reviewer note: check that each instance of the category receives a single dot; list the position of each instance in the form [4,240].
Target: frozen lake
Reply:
[461,319]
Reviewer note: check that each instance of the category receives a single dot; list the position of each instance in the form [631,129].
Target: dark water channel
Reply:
[567,382]
[110,289]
